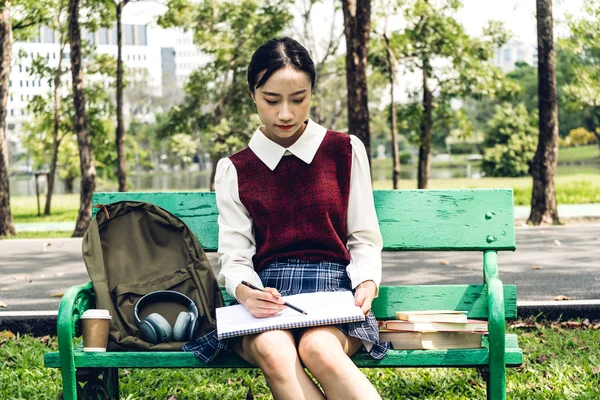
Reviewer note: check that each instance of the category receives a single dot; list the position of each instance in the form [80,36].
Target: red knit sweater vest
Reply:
[298,210]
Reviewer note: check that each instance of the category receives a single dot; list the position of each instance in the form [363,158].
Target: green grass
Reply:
[582,153]
[39,235]
[559,363]
[64,208]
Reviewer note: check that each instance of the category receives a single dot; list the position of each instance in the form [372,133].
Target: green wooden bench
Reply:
[410,220]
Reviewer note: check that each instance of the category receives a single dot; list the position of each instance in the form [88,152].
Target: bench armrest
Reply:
[75,301]
[496,319]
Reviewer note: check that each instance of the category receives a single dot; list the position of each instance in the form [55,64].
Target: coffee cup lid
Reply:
[96,313]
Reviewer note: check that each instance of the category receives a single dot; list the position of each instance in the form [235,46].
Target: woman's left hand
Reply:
[364,295]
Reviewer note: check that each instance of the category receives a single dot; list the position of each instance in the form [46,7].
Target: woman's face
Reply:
[283,104]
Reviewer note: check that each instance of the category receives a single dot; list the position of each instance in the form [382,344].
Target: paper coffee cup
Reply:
[96,324]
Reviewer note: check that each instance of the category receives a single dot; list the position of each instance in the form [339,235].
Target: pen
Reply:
[251,286]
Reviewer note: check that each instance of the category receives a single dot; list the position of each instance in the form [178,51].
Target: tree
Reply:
[510,142]
[357,30]
[217,107]
[44,70]
[323,55]
[44,131]
[452,64]
[86,160]
[120,133]
[584,46]
[29,13]
[383,58]
[6,221]
[543,168]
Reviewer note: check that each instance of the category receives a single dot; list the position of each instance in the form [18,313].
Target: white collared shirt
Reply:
[237,244]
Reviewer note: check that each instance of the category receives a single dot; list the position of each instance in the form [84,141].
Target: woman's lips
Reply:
[285,127]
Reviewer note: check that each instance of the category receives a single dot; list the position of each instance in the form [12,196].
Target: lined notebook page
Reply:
[322,308]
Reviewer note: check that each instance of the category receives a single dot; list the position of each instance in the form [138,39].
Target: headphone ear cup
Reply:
[161,327]
[147,332]
[181,328]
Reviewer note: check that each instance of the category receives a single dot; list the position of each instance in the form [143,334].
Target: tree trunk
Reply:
[426,124]
[394,127]
[120,134]
[6,221]
[55,139]
[357,27]
[86,161]
[69,181]
[543,168]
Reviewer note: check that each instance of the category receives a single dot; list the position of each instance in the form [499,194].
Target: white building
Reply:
[161,59]
[513,51]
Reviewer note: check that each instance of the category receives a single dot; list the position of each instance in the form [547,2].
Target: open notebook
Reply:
[322,308]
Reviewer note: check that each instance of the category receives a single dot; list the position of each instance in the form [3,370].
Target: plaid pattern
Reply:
[295,276]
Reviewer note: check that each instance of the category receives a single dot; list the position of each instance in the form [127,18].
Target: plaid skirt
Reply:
[294,276]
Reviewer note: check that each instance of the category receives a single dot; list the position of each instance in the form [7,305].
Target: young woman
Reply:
[296,215]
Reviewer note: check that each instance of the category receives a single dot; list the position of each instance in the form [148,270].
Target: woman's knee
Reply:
[320,349]
[274,352]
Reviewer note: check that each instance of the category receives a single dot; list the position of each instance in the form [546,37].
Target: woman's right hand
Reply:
[260,304]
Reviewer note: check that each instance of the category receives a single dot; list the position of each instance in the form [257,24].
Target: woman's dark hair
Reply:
[276,54]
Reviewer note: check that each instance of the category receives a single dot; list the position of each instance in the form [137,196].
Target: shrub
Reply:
[580,137]
[510,142]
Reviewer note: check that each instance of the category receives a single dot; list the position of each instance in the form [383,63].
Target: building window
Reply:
[141,35]
[22,99]
[103,36]
[11,97]
[26,83]
[90,37]
[39,83]
[12,112]
[11,127]
[113,35]
[128,32]
[144,57]
[21,83]
[47,35]
[10,83]
[507,57]
[20,68]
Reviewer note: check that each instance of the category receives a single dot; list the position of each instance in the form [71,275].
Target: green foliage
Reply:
[217,107]
[584,45]
[580,137]
[458,65]
[510,142]
[38,132]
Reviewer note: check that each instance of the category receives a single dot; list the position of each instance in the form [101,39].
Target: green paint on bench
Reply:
[410,220]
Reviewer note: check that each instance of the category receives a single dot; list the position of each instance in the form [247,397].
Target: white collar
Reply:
[304,148]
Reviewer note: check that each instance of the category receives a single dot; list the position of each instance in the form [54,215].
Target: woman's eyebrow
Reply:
[278,95]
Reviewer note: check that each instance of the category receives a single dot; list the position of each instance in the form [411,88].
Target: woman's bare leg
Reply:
[325,352]
[276,354]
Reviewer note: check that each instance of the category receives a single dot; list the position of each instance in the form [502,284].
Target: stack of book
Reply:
[439,329]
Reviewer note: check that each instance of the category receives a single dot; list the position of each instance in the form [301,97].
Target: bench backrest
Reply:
[456,219]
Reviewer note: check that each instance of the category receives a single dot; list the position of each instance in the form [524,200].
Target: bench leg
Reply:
[99,383]
[111,377]
[496,385]
[70,385]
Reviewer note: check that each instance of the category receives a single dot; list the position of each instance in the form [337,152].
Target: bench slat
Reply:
[395,358]
[453,219]
[472,298]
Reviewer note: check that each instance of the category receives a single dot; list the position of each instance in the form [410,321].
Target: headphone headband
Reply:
[164,295]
